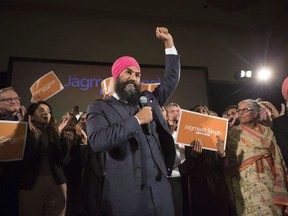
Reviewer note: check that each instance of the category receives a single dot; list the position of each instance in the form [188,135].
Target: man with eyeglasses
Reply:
[10,108]
[173,113]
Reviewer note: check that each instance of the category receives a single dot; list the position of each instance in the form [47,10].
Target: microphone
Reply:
[143,103]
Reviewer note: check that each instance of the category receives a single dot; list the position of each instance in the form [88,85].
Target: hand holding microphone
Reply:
[145,114]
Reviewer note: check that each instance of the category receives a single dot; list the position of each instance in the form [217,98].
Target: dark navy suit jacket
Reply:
[280,128]
[111,129]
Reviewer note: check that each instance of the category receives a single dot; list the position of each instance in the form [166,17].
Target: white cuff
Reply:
[171,51]
[137,120]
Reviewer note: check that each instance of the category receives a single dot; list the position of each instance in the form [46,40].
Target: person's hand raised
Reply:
[81,133]
[21,113]
[283,109]
[36,131]
[163,34]
[63,124]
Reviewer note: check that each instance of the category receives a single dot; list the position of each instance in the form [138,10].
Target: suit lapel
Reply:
[157,113]
[119,108]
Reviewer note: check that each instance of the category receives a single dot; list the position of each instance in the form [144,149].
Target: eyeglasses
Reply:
[244,110]
[9,100]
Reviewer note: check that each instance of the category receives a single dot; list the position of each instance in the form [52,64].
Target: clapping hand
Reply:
[21,113]
[63,124]
[268,144]
[81,133]
[36,131]
[220,146]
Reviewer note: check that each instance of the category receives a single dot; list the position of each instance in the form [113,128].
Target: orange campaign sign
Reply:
[12,140]
[149,86]
[45,87]
[107,86]
[194,125]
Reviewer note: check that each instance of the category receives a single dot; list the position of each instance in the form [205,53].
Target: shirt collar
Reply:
[116,96]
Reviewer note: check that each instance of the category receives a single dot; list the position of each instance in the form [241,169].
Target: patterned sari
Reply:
[256,181]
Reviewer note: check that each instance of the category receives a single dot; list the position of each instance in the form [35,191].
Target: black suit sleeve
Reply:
[281,133]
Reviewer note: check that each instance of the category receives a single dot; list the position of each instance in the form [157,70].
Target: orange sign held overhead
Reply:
[194,125]
[12,140]
[45,87]
[107,86]
[149,86]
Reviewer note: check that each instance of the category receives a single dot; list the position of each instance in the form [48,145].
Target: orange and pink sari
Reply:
[256,181]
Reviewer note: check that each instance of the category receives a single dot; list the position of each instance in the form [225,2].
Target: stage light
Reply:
[264,74]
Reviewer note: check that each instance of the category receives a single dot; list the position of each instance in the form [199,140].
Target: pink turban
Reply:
[285,89]
[121,63]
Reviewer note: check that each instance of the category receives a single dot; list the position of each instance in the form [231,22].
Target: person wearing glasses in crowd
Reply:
[255,172]
[10,110]
[10,107]
[173,115]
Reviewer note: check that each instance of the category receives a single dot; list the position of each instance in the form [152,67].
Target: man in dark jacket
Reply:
[10,110]
[137,142]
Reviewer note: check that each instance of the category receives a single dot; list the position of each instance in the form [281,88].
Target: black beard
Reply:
[131,96]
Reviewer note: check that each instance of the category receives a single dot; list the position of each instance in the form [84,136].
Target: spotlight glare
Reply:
[264,74]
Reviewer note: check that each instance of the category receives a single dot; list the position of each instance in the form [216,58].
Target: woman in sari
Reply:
[255,172]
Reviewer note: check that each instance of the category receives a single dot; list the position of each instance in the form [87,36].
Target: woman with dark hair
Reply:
[43,183]
[203,170]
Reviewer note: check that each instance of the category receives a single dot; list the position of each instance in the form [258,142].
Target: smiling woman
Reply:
[41,166]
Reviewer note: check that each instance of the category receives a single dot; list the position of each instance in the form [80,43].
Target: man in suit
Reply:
[10,110]
[280,129]
[139,147]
